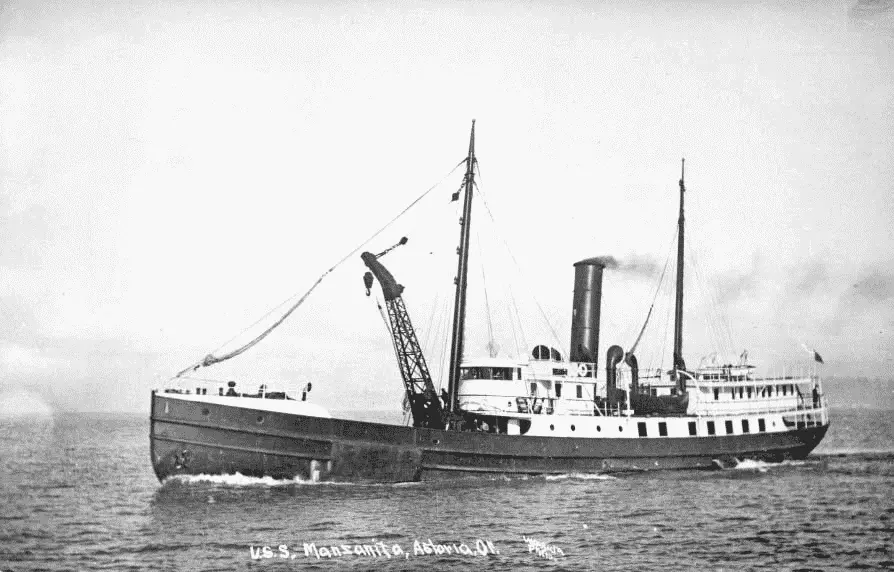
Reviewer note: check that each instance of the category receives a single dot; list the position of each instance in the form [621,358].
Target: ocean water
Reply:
[77,492]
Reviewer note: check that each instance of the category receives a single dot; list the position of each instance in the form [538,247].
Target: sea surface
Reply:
[77,492]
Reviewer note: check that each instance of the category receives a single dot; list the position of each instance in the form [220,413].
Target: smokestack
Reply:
[585,310]
[613,357]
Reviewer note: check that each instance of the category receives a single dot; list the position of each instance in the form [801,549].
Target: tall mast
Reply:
[679,364]
[459,308]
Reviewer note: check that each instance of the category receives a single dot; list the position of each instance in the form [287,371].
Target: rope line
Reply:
[211,359]
[518,266]
[649,314]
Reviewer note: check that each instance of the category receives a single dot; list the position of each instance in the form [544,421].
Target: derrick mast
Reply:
[420,391]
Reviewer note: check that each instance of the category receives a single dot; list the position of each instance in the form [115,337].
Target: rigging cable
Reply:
[521,327]
[444,339]
[711,316]
[211,359]
[431,319]
[722,317]
[661,292]
[491,345]
[517,266]
[654,298]
[667,321]
[514,335]
[717,343]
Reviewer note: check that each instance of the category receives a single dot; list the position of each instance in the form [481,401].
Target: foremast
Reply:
[679,363]
[459,307]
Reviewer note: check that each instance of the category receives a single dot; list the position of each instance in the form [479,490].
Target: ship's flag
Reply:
[816,357]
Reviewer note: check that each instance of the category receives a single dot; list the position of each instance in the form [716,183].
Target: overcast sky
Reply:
[172,171]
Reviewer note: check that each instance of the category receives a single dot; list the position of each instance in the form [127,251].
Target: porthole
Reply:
[621,429]
[572,427]
[598,428]
[205,411]
[436,441]
[260,418]
[552,427]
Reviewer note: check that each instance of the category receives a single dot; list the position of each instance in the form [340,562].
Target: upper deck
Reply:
[551,386]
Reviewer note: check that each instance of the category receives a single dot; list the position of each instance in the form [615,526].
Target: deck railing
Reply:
[202,386]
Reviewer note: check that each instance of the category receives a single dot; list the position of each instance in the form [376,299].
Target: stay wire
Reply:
[518,266]
[211,359]
[654,298]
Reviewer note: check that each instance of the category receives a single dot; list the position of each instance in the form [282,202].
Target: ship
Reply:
[545,415]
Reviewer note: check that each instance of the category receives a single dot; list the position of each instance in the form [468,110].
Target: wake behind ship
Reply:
[546,414]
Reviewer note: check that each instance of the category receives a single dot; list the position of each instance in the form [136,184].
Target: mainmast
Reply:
[459,308]
[679,364]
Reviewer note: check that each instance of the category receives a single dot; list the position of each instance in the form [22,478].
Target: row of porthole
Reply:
[553,427]
[598,428]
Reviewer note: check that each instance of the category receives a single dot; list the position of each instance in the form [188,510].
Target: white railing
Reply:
[706,405]
[200,386]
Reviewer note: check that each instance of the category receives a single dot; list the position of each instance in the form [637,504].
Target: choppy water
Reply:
[78,492]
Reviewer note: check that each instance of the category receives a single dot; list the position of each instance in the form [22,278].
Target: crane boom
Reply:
[424,403]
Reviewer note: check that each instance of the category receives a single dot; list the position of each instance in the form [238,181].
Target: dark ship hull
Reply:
[191,438]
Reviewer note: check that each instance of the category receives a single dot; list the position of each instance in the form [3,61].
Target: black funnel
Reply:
[585,310]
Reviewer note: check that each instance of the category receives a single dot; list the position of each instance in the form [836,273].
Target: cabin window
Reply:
[711,430]
[761,425]
[729,427]
[741,392]
[784,390]
[733,392]
[475,373]
[541,353]
[503,373]
[716,393]
[580,392]
[554,354]
[560,371]
[745,426]
[518,373]
[654,392]
[692,428]
[533,388]
[642,429]
[662,429]
[749,393]
[558,390]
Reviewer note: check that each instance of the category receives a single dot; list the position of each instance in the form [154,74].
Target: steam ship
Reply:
[541,415]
